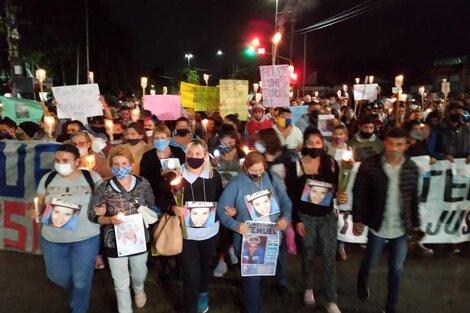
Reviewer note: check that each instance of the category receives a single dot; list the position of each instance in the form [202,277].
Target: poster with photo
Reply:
[317,192]
[61,214]
[198,214]
[170,164]
[261,204]
[130,235]
[260,249]
[326,124]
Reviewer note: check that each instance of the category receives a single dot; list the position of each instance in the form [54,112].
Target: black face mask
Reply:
[195,163]
[5,135]
[365,135]
[182,132]
[133,142]
[117,136]
[455,117]
[312,152]
[255,177]
[313,115]
[98,130]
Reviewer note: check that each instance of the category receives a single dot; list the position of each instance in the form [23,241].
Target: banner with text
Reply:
[233,98]
[22,165]
[21,110]
[206,99]
[187,94]
[165,107]
[78,101]
[276,81]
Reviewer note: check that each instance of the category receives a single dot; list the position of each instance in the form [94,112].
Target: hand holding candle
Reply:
[178,193]
[345,171]
[109,126]
[90,162]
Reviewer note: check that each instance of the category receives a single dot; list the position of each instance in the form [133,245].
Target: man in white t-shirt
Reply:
[290,135]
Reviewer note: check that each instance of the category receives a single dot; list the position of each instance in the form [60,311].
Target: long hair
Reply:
[203,145]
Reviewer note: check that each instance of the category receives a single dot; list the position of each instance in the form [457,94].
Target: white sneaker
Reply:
[309,299]
[332,308]
[233,256]
[220,269]
[342,254]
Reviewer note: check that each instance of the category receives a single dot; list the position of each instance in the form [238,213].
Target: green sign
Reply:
[21,110]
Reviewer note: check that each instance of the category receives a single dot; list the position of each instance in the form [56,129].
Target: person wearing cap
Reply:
[451,139]
[253,252]
[290,135]
[258,120]
[365,142]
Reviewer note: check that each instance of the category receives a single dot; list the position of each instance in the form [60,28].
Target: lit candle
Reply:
[109,126]
[399,81]
[90,162]
[338,93]
[347,155]
[135,115]
[345,88]
[49,123]
[246,149]
[91,77]
[204,124]
[357,80]
[41,75]
[216,153]
[165,90]
[255,87]
[316,94]
[143,82]
[36,208]
[371,79]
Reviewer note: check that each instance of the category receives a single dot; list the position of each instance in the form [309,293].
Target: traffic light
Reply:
[250,52]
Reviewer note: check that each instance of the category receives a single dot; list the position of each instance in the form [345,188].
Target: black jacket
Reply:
[370,193]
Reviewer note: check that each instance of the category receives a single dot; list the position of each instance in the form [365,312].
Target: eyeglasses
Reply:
[80,143]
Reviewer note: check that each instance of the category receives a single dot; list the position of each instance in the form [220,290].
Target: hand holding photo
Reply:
[130,235]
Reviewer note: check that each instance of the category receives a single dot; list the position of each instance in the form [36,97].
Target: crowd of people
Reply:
[222,160]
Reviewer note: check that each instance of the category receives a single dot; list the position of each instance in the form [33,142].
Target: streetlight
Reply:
[276,39]
[219,52]
[189,56]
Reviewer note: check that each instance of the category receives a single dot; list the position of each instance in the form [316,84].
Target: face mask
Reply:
[255,177]
[365,135]
[338,141]
[455,117]
[5,135]
[182,132]
[148,132]
[63,169]
[349,115]
[284,122]
[133,142]
[121,172]
[416,135]
[161,144]
[312,152]
[224,149]
[195,163]
[261,148]
[83,151]
[98,129]
[117,136]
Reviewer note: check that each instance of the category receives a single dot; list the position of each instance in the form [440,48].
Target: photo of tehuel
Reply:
[199,214]
[317,192]
[130,235]
[254,250]
[170,164]
[21,110]
[61,214]
[261,204]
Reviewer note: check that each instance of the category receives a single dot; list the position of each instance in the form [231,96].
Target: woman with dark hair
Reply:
[69,254]
[228,150]
[316,223]
[136,142]
[239,190]
[68,128]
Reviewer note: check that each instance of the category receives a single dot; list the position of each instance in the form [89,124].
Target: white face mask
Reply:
[149,133]
[260,147]
[63,169]
[83,151]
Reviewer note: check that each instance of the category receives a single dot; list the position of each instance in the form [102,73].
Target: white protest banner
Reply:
[165,107]
[444,202]
[22,165]
[276,80]
[260,248]
[78,101]
[366,91]
[326,124]
[233,95]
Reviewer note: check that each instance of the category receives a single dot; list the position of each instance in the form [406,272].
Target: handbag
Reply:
[167,236]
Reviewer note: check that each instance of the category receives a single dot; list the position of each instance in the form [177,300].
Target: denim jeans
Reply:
[398,248]
[123,277]
[71,266]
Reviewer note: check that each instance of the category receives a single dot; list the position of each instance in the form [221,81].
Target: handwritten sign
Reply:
[233,98]
[165,107]
[276,80]
[187,94]
[78,101]
[366,91]
[206,98]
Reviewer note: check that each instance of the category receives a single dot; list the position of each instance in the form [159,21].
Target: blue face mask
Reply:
[121,172]
[161,144]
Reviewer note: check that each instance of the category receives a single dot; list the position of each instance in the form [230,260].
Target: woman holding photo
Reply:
[315,220]
[253,179]
[69,254]
[200,183]
[119,196]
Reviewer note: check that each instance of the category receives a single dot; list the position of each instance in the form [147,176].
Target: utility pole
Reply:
[13,40]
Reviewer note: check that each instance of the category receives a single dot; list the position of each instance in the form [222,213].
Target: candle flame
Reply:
[176,181]
[246,149]
[347,155]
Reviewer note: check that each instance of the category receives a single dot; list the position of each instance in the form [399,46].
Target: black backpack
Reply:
[86,173]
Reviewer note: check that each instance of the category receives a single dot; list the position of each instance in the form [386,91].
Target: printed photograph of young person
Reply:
[200,214]
[61,214]
[261,204]
[254,250]
[317,192]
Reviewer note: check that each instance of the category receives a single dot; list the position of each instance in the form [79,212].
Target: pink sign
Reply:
[165,107]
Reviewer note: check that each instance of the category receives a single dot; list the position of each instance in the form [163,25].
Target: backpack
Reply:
[85,173]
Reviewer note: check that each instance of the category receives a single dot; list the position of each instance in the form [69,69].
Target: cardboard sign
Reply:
[233,95]
[276,81]
[78,101]
[366,91]
[21,110]
[165,107]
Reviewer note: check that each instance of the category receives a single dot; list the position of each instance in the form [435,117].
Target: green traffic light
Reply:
[250,52]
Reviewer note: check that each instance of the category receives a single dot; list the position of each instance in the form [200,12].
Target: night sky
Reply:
[402,36]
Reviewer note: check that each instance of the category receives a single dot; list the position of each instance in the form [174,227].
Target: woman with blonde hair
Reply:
[200,183]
